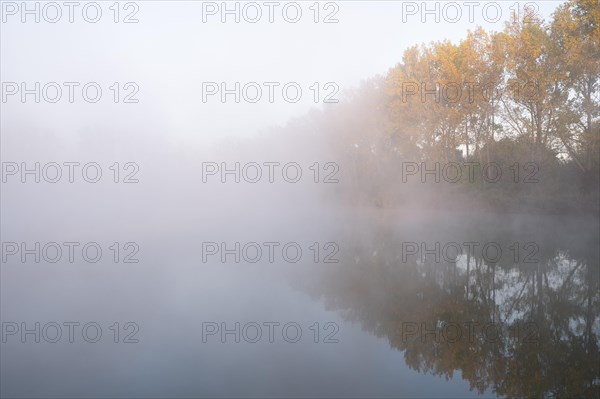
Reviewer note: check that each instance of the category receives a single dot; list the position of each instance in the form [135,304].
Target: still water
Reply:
[385,304]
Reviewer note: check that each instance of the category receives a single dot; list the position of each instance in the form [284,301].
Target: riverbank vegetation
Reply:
[504,120]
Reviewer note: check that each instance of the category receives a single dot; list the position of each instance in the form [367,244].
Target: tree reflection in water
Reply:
[545,336]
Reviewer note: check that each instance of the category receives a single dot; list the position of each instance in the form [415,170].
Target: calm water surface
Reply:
[383,321]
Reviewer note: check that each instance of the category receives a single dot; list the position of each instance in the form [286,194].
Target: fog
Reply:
[177,211]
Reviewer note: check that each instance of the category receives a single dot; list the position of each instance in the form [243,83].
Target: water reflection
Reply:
[524,324]
[544,312]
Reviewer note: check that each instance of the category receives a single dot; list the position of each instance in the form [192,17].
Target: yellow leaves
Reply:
[521,82]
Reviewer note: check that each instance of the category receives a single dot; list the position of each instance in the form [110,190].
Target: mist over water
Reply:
[276,248]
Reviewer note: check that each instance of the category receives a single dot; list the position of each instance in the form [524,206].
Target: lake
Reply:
[341,303]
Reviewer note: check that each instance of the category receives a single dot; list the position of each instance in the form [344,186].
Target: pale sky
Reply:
[170,52]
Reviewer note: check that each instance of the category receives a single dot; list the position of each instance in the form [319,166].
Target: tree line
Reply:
[526,94]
